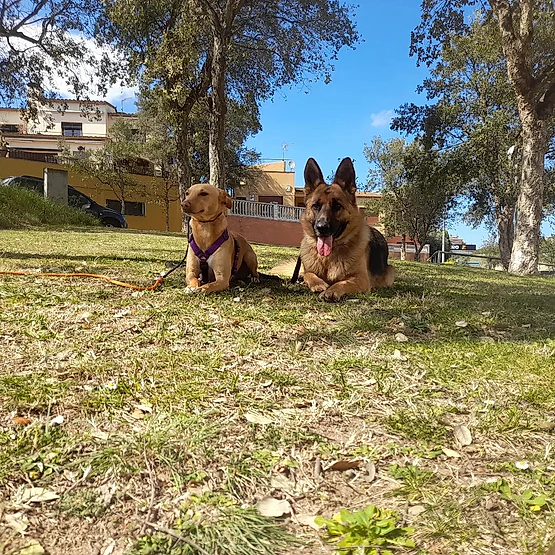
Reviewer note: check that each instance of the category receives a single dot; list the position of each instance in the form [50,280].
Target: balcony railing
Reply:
[266,210]
[33,156]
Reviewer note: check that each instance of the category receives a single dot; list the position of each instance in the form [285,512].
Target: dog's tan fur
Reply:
[348,268]
[207,206]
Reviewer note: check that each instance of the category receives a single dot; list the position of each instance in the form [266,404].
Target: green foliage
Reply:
[547,250]
[475,116]
[526,502]
[174,48]
[219,527]
[371,531]
[111,164]
[418,186]
[23,208]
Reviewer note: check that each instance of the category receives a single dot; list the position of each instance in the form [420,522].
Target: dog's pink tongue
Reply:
[323,245]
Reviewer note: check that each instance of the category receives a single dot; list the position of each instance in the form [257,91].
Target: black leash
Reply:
[297,270]
[164,276]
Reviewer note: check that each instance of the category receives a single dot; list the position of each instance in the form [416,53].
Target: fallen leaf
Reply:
[546,426]
[137,414]
[401,337]
[237,299]
[122,313]
[17,521]
[37,495]
[21,421]
[283,483]
[398,356]
[298,346]
[257,418]
[341,466]
[269,506]
[461,324]
[462,435]
[370,468]
[450,453]
[415,510]
[144,407]
[308,520]
[33,548]
[317,468]
[266,383]
[84,317]
[99,434]
[57,420]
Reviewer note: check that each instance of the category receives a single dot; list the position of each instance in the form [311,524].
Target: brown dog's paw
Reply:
[255,279]
[331,295]
[319,287]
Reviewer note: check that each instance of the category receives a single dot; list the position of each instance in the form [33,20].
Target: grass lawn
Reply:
[140,414]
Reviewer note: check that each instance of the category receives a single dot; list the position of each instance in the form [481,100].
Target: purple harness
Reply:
[203,256]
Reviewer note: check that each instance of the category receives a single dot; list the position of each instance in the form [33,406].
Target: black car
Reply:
[107,216]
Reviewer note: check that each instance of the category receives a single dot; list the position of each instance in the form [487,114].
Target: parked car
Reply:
[107,216]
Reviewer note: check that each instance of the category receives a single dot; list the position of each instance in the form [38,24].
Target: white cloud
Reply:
[121,96]
[382,119]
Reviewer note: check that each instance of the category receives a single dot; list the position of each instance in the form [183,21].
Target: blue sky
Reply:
[329,122]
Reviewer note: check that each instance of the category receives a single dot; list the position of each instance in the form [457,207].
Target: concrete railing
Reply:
[266,210]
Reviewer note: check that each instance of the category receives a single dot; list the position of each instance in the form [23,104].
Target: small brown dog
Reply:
[215,255]
[340,252]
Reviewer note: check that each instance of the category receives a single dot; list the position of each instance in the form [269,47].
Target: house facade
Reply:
[81,126]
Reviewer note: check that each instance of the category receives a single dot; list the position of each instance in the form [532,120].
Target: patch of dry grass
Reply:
[178,407]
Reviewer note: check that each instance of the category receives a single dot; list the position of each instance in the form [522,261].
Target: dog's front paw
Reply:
[191,290]
[255,279]
[319,287]
[331,295]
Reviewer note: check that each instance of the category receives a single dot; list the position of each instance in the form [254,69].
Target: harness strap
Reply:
[203,256]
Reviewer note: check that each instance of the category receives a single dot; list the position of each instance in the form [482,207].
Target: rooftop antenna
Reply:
[284,147]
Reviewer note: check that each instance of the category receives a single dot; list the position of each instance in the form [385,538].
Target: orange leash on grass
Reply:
[96,276]
[152,287]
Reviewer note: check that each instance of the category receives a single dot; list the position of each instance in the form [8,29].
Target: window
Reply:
[9,128]
[72,129]
[77,199]
[270,198]
[131,208]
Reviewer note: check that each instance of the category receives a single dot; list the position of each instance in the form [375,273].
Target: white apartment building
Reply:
[81,126]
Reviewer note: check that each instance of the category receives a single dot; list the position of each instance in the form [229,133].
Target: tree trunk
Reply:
[182,159]
[526,245]
[167,208]
[403,247]
[217,112]
[505,232]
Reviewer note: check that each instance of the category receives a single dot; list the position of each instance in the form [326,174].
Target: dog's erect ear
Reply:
[312,176]
[345,177]
[225,199]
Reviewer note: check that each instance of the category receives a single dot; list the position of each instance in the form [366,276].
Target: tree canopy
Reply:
[43,42]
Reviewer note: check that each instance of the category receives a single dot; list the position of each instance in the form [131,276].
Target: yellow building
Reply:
[146,201]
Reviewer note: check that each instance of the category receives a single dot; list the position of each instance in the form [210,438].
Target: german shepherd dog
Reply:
[340,252]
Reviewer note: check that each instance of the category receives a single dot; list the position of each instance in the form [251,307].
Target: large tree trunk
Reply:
[526,245]
[403,246]
[505,232]
[535,97]
[182,159]
[217,113]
